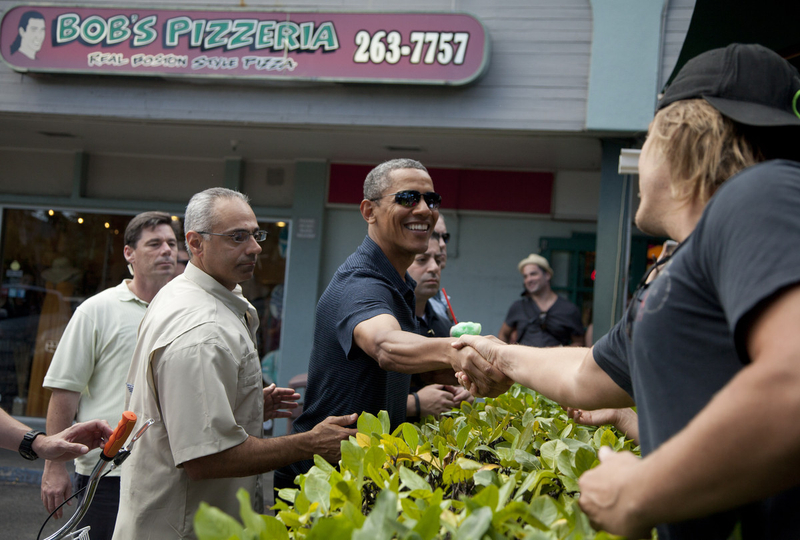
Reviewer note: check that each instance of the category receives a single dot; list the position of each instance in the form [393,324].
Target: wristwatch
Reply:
[26,446]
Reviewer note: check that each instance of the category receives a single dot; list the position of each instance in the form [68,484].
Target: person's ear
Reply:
[195,241]
[129,252]
[368,210]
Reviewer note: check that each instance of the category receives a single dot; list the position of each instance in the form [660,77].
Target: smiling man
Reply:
[196,372]
[365,341]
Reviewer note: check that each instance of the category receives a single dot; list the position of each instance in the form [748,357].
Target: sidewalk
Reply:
[21,508]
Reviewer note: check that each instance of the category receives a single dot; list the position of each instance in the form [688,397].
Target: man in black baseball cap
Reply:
[708,350]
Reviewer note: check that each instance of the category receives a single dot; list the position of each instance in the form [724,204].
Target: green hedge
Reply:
[504,468]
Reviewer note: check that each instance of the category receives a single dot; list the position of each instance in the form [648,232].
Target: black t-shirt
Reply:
[689,332]
[551,328]
[342,378]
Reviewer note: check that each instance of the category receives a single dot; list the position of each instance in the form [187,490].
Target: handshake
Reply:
[475,365]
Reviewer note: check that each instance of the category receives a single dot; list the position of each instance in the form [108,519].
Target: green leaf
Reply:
[288,494]
[584,459]
[274,529]
[301,503]
[485,478]
[565,465]
[429,524]
[252,521]
[608,438]
[413,481]
[527,460]
[352,458]
[462,437]
[375,456]
[211,523]
[318,490]
[379,525]
[468,464]
[544,509]
[320,463]
[368,424]
[488,496]
[411,436]
[386,423]
[550,451]
[476,525]
[336,528]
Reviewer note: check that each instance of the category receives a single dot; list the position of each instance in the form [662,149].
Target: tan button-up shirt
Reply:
[196,372]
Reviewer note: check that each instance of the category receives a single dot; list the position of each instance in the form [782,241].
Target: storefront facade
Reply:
[525,151]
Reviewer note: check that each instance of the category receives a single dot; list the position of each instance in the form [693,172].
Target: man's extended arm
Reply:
[715,463]
[65,445]
[395,350]
[568,375]
[256,456]
[56,484]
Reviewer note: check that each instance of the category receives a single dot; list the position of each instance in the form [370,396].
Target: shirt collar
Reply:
[233,300]
[127,295]
[382,264]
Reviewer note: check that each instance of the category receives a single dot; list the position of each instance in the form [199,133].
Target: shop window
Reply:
[572,260]
[52,260]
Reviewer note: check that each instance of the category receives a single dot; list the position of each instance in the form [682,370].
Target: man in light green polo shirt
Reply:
[87,374]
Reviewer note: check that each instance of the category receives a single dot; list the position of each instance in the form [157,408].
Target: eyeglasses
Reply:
[444,236]
[410,198]
[640,294]
[241,237]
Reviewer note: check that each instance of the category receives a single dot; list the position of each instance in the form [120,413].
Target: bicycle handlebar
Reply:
[120,435]
[110,450]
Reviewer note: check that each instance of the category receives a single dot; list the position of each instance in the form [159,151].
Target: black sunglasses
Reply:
[241,236]
[410,198]
[444,236]
[639,295]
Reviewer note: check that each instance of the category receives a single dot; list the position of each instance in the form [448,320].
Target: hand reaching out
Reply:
[479,370]
[74,441]
[625,419]
[328,434]
[278,402]
[609,495]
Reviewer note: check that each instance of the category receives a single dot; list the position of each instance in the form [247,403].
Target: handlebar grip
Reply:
[120,435]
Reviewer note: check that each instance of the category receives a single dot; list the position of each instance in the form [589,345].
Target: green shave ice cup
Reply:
[471,328]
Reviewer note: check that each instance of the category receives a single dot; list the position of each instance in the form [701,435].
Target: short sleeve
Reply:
[611,353]
[512,315]
[748,240]
[197,387]
[364,297]
[73,361]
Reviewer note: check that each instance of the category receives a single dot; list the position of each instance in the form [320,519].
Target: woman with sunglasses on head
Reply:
[709,351]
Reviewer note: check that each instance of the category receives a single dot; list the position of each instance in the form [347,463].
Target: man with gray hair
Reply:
[196,372]
[366,344]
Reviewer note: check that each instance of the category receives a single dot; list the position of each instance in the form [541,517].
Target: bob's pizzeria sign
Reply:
[407,48]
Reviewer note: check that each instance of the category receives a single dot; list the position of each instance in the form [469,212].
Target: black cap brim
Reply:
[753,114]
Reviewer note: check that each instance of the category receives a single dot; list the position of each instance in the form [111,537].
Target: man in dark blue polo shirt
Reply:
[365,341]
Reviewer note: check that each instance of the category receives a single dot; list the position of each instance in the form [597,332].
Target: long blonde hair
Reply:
[702,148]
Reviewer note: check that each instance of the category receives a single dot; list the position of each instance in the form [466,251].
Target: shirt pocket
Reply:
[249,410]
